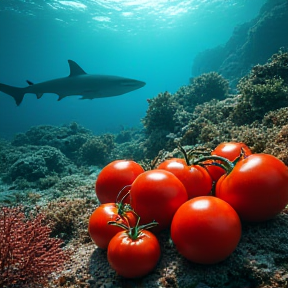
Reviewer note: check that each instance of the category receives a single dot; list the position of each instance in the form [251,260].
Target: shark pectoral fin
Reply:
[29,82]
[61,97]
[87,97]
[91,94]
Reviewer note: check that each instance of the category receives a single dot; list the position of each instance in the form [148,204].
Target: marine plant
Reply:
[27,252]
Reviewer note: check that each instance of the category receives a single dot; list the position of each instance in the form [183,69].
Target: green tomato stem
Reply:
[121,225]
[123,198]
[226,164]
[184,154]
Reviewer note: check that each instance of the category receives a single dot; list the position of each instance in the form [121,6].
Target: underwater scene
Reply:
[144,143]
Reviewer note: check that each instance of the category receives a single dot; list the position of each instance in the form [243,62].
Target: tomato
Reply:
[156,195]
[132,258]
[206,230]
[114,177]
[195,178]
[215,172]
[228,150]
[231,150]
[257,187]
[100,232]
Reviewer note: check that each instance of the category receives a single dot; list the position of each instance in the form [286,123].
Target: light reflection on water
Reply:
[122,14]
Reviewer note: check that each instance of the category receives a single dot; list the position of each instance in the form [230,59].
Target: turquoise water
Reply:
[151,41]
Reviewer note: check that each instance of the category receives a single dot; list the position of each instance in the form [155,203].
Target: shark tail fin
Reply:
[15,92]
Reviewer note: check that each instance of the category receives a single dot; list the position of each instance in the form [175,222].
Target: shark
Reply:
[89,86]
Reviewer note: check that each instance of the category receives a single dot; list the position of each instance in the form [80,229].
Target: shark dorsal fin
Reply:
[75,69]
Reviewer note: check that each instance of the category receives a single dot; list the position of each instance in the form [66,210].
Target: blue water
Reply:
[148,40]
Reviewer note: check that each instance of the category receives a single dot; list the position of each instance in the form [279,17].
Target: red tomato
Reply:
[231,150]
[257,187]
[133,258]
[100,231]
[156,195]
[206,230]
[228,150]
[215,172]
[114,177]
[195,178]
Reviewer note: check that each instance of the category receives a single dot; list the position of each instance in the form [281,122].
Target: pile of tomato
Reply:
[202,204]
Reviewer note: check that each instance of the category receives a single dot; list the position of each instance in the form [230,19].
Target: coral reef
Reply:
[67,138]
[75,142]
[27,252]
[247,117]
[167,113]
[64,214]
[35,163]
[132,149]
[263,90]
[55,168]
[160,113]
[158,123]
[208,86]
[96,150]
[248,45]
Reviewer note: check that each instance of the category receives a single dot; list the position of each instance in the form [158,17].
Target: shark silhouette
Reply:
[77,83]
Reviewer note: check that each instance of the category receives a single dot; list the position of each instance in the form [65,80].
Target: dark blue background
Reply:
[139,40]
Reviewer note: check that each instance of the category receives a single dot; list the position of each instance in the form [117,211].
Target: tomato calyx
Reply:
[134,232]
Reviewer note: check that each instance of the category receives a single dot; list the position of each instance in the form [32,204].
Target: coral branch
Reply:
[27,253]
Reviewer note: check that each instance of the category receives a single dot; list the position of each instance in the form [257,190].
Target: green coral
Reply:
[167,113]
[160,113]
[202,89]
[96,150]
[129,144]
[32,164]
[159,122]
[263,90]
[67,138]
[208,86]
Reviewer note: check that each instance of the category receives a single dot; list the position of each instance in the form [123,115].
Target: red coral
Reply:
[27,253]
